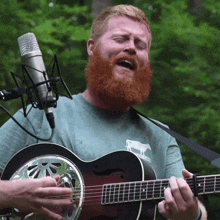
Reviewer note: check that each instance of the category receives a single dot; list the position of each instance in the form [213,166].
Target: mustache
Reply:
[129,61]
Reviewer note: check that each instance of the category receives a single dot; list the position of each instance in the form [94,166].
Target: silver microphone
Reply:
[34,64]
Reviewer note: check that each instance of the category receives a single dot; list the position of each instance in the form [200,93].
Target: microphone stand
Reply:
[32,95]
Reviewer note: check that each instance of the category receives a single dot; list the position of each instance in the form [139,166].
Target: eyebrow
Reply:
[116,35]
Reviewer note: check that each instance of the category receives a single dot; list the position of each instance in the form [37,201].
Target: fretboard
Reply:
[154,189]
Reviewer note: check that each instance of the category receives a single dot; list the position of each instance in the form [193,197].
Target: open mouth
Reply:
[127,64]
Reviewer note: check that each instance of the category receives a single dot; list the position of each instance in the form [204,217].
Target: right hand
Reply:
[41,196]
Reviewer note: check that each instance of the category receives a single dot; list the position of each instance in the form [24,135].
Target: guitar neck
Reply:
[205,184]
[154,189]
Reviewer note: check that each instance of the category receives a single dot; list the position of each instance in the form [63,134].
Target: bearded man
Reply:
[101,120]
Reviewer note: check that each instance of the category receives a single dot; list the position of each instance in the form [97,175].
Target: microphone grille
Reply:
[28,44]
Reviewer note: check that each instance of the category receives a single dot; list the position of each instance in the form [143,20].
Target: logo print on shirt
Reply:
[139,149]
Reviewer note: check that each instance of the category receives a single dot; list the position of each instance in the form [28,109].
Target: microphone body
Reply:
[32,58]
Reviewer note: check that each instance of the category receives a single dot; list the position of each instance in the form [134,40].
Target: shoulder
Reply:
[153,123]
[154,129]
[68,102]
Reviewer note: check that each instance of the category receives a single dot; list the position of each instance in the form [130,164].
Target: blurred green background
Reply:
[184,59]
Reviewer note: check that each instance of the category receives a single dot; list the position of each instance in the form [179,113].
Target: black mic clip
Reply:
[48,101]
[28,90]
[10,94]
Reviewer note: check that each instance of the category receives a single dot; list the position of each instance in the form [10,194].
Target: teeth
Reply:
[127,61]
[127,64]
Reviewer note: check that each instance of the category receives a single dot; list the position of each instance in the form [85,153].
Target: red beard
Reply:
[117,93]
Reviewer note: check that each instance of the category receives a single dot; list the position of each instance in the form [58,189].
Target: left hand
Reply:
[179,202]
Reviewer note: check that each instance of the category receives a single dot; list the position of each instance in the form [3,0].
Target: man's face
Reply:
[118,69]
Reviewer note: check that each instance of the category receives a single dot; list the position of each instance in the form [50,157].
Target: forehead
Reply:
[122,24]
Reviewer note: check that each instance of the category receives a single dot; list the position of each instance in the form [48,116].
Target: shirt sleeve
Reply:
[174,162]
[13,138]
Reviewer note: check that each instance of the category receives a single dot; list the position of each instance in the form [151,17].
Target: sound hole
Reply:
[43,169]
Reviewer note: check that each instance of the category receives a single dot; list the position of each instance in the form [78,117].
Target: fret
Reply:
[146,189]
[132,188]
[129,191]
[141,185]
[104,194]
[143,190]
[121,192]
[153,189]
[137,192]
[126,192]
[164,185]
[150,190]
[217,185]
[116,197]
[200,181]
[209,187]
[157,189]
[107,194]
[111,193]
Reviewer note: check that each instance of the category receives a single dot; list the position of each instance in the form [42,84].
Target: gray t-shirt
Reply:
[91,132]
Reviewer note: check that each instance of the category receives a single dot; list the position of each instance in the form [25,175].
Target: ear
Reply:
[90,46]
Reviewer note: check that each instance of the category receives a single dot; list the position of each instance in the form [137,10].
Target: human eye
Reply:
[141,45]
[119,38]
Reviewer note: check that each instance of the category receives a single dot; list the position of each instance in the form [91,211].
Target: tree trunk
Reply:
[195,6]
[99,5]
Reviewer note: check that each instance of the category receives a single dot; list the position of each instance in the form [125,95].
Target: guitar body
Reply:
[42,159]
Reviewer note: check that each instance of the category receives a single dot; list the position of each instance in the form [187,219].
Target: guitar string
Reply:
[124,197]
[96,200]
[146,183]
[155,187]
[115,198]
[97,191]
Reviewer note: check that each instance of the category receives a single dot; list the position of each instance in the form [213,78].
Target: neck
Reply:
[87,94]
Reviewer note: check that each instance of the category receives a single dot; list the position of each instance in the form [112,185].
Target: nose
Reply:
[130,48]
[130,51]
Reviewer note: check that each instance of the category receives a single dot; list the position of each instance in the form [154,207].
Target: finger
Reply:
[170,205]
[175,192]
[54,192]
[53,202]
[56,209]
[186,173]
[57,178]
[185,190]
[162,210]
[48,214]
[47,181]
[161,207]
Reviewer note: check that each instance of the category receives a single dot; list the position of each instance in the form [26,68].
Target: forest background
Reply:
[184,57]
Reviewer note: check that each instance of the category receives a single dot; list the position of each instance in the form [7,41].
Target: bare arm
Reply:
[35,195]
[204,212]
